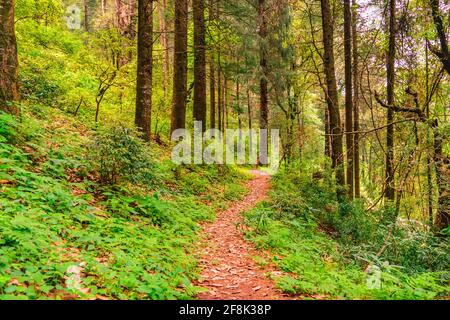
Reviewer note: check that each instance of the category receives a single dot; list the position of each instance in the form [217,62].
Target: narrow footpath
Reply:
[228,269]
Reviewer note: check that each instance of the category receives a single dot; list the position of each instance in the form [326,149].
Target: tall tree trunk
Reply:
[348,96]
[212,94]
[180,66]
[162,5]
[263,85]
[390,70]
[199,63]
[356,100]
[8,59]
[429,162]
[87,16]
[212,71]
[442,168]
[327,133]
[443,54]
[144,68]
[219,95]
[125,22]
[224,101]
[332,97]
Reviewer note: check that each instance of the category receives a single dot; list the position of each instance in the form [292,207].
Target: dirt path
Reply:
[229,272]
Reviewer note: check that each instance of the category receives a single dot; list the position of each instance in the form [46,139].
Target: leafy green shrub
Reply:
[38,88]
[326,245]
[117,152]
[8,127]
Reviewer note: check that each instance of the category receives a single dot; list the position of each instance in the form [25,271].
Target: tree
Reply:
[180,66]
[144,68]
[332,96]
[355,100]
[263,84]
[443,53]
[125,22]
[212,74]
[199,63]
[390,74]
[162,7]
[348,96]
[212,94]
[8,59]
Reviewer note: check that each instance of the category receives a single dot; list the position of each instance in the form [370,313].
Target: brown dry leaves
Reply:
[229,272]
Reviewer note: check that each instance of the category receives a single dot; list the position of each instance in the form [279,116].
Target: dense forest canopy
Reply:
[359,90]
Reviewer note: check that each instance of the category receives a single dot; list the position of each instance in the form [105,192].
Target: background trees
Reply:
[315,71]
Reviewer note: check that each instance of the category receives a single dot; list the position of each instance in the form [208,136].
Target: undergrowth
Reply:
[329,250]
[133,238]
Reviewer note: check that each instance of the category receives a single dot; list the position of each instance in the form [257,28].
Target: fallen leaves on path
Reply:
[229,272]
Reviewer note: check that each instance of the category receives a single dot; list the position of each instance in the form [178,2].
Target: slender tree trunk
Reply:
[87,16]
[443,54]
[442,167]
[125,22]
[180,66]
[332,97]
[8,59]
[328,137]
[219,95]
[390,67]
[348,96]
[356,100]
[212,94]
[162,5]
[264,99]
[199,63]
[225,104]
[212,71]
[144,68]
[263,85]
[429,162]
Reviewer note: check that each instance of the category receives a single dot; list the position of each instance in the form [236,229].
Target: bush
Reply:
[297,224]
[118,153]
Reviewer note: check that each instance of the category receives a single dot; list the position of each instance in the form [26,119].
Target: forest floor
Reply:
[229,269]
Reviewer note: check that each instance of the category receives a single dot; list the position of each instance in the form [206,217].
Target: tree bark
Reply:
[162,6]
[199,63]
[327,133]
[390,73]
[144,68]
[180,66]
[212,94]
[225,104]
[356,100]
[332,97]
[219,95]
[87,16]
[443,54]
[348,97]
[263,85]
[8,59]
[264,100]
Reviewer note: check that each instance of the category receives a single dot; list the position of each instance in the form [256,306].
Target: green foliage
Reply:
[133,243]
[117,153]
[325,247]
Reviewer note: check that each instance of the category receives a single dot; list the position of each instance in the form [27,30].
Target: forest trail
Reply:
[229,271]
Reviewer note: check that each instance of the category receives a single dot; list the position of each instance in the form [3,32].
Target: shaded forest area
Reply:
[92,207]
